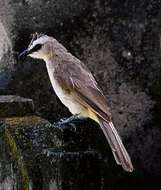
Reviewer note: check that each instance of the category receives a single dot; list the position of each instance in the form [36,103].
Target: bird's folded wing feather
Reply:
[78,81]
[81,84]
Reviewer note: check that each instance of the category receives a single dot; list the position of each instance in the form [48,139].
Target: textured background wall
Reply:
[120,43]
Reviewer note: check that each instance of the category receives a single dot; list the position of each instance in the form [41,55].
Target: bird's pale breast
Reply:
[66,98]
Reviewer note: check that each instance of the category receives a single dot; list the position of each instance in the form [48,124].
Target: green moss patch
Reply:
[17,157]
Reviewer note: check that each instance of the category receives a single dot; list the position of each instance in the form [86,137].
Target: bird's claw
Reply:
[74,119]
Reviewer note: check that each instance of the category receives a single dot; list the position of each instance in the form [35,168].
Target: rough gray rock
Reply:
[35,154]
[6,57]
[15,106]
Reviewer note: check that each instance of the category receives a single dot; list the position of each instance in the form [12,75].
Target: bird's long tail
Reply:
[120,154]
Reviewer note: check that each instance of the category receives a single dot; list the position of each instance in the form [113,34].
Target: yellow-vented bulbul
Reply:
[78,90]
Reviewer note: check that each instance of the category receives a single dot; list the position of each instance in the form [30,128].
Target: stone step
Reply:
[35,154]
[11,105]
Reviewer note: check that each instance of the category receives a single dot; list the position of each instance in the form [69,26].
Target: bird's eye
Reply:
[36,48]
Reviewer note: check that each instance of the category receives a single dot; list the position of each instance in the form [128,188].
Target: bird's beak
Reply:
[24,54]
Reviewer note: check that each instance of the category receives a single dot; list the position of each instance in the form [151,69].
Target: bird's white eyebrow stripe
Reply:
[40,40]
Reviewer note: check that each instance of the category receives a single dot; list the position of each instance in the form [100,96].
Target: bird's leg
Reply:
[73,119]
[69,119]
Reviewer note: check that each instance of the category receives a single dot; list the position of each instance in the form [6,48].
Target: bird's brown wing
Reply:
[78,81]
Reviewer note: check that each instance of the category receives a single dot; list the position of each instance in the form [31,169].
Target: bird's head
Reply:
[40,47]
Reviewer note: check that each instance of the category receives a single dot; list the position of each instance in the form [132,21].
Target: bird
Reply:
[78,90]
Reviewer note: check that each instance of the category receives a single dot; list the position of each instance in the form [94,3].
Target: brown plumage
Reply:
[78,90]
[80,82]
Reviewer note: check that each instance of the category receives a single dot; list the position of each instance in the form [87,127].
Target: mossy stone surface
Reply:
[46,156]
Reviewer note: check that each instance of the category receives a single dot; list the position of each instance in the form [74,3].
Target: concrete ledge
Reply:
[36,154]
[15,106]
[48,156]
